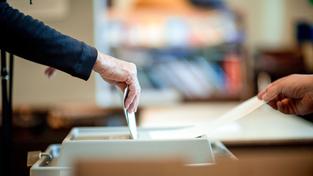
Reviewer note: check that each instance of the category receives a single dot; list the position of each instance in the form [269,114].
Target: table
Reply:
[262,126]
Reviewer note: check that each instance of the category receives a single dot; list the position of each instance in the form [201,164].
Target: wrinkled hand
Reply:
[121,74]
[291,95]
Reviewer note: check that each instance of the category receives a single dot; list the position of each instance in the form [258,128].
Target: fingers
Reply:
[290,94]
[122,74]
[132,99]
[133,96]
[137,102]
[280,107]
[260,94]
[273,104]
[285,106]
[49,72]
[134,105]
[272,95]
[271,92]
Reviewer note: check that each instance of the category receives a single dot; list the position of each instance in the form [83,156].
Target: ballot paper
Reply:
[208,129]
[130,118]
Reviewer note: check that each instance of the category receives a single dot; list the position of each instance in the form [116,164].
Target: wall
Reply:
[30,84]
[270,22]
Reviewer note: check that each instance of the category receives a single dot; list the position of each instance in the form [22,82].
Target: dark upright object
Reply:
[6,138]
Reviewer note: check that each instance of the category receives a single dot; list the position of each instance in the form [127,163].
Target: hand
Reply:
[49,72]
[121,74]
[291,95]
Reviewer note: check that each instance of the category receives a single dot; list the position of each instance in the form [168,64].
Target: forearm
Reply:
[33,40]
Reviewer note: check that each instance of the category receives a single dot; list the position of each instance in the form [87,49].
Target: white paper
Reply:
[130,118]
[208,128]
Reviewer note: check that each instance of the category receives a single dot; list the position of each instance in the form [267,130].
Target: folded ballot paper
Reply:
[130,118]
[207,129]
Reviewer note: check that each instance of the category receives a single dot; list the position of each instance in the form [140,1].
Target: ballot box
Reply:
[261,166]
[114,144]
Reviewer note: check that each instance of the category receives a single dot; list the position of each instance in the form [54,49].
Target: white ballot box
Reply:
[114,144]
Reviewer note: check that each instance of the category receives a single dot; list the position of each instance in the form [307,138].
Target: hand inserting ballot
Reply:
[122,74]
[116,72]
[291,95]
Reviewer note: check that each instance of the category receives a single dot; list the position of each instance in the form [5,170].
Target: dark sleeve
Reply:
[31,39]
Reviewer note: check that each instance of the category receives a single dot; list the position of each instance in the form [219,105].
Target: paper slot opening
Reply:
[113,136]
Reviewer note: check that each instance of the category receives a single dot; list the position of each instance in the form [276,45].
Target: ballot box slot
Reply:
[103,137]
[99,136]
[85,135]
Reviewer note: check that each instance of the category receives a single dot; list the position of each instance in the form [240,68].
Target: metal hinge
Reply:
[34,156]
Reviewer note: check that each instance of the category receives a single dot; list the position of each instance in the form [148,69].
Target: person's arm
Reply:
[31,39]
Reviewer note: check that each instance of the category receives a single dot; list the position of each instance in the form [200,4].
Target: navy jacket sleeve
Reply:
[31,39]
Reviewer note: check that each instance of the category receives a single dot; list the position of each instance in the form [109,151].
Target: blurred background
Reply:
[193,57]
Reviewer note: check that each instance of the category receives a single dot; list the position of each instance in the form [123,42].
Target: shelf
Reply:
[182,53]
